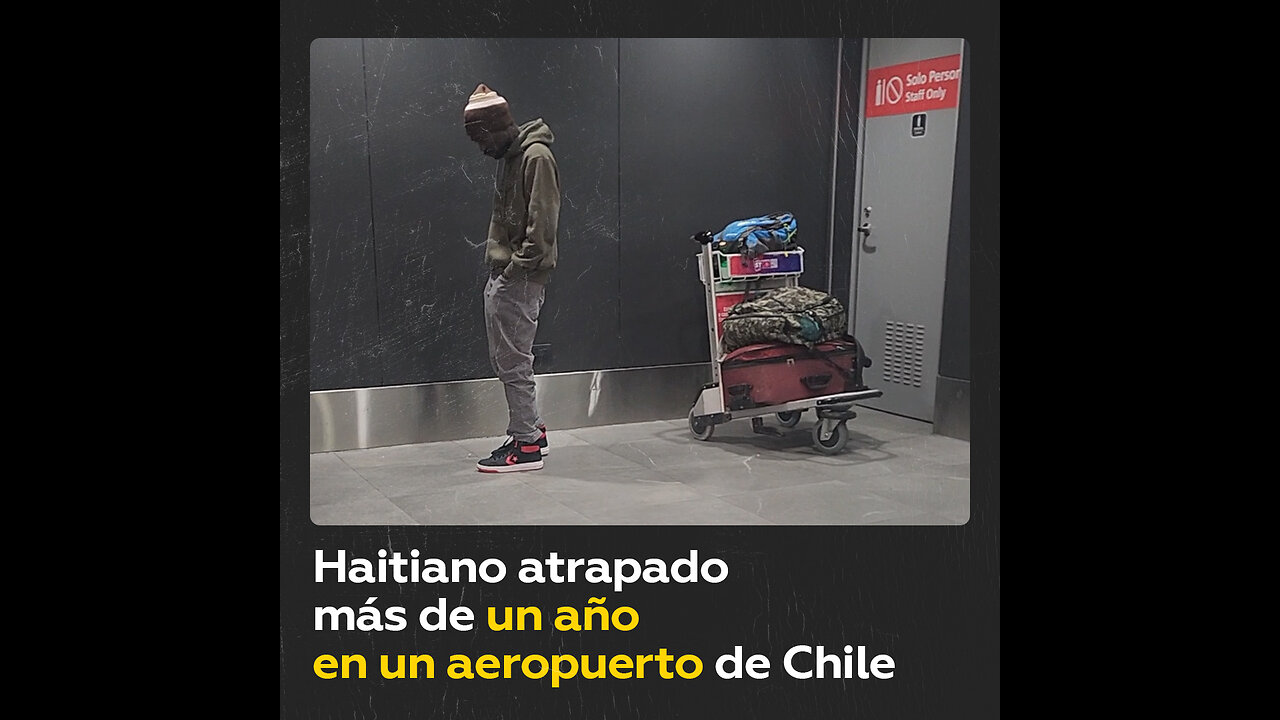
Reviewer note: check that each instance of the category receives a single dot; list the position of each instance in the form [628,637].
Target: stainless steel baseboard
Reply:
[403,414]
[951,408]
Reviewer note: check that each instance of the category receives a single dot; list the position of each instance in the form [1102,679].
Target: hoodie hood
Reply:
[534,131]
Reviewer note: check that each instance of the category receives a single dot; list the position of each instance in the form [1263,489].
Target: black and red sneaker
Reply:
[512,458]
[542,442]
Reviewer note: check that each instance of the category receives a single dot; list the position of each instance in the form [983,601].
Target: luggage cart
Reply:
[727,278]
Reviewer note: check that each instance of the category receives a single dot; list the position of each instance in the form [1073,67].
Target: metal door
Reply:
[910,112]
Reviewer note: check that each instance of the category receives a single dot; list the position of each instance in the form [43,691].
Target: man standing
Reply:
[520,252]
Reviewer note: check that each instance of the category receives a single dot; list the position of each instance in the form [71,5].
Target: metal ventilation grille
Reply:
[903,353]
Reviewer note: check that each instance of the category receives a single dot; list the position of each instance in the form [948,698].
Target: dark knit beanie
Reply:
[486,110]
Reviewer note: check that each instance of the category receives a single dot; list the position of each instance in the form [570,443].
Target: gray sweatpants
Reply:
[511,309]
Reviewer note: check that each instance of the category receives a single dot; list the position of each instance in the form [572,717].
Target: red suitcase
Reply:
[776,373]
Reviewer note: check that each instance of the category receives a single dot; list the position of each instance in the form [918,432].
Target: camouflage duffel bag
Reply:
[795,315]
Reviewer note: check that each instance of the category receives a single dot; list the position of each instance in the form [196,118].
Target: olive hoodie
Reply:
[526,207]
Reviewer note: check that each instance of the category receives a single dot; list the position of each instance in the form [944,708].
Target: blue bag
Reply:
[757,235]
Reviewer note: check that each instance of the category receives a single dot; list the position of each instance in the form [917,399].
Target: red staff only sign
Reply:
[914,86]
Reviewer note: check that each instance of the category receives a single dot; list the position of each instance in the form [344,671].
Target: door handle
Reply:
[865,228]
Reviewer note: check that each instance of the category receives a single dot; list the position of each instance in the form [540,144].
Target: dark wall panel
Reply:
[953,353]
[343,290]
[433,189]
[714,130]
[655,138]
[846,215]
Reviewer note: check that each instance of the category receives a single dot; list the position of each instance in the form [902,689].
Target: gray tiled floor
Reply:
[894,471]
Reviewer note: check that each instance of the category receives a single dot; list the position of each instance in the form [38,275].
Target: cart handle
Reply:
[702,238]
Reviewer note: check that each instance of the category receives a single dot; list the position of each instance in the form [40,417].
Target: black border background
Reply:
[928,596]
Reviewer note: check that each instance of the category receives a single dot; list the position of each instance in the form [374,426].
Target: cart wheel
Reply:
[789,419]
[700,428]
[834,444]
